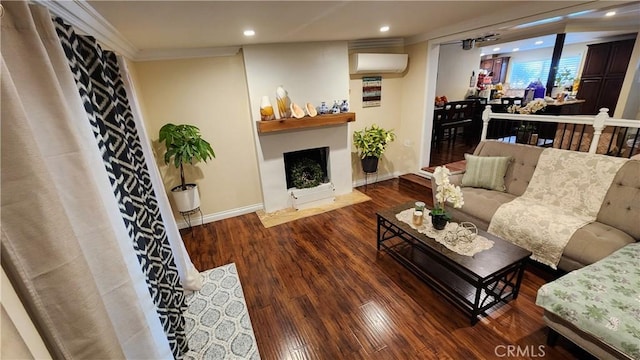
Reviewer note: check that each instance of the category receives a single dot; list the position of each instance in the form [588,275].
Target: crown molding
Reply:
[87,20]
[187,53]
[501,23]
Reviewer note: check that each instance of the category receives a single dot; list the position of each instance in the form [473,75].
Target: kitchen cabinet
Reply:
[498,66]
[603,74]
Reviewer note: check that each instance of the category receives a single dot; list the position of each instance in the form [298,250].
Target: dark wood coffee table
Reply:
[473,283]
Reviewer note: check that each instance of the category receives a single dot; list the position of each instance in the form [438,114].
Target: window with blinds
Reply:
[525,72]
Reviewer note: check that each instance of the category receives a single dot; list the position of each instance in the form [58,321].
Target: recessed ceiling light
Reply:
[610,13]
[249,33]
[482,54]
[496,49]
[515,49]
[539,42]
[384,29]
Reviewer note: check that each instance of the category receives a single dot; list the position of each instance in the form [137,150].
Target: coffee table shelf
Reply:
[474,284]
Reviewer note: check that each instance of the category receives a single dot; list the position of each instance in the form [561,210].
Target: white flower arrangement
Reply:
[445,191]
[532,107]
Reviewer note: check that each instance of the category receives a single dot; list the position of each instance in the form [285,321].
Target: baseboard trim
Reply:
[207,218]
[374,179]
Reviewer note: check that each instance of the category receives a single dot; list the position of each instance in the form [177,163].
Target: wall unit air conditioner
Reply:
[365,63]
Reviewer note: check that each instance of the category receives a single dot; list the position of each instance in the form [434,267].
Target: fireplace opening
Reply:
[306,167]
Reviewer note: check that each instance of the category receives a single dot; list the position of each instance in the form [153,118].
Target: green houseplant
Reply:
[371,143]
[185,145]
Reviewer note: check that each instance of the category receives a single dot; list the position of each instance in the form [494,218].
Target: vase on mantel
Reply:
[283,101]
[266,110]
[335,109]
[323,109]
[344,107]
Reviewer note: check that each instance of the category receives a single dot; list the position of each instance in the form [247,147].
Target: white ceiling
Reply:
[625,21]
[144,27]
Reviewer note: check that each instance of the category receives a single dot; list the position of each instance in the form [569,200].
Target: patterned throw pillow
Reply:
[486,172]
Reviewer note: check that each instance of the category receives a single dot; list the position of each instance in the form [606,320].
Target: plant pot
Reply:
[439,221]
[188,199]
[370,164]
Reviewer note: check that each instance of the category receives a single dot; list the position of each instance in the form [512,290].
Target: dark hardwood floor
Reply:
[316,288]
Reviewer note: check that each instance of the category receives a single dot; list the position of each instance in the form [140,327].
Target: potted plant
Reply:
[372,142]
[184,145]
[563,77]
[446,192]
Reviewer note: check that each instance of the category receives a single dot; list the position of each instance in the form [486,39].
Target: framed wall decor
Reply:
[371,91]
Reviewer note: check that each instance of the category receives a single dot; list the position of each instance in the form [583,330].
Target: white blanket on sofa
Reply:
[565,193]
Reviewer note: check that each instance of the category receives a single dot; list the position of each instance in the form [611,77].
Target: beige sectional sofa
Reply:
[617,223]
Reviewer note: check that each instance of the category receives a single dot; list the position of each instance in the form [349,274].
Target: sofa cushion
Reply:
[593,242]
[520,170]
[485,172]
[621,205]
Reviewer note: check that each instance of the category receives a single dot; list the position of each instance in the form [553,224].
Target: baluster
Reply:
[598,127]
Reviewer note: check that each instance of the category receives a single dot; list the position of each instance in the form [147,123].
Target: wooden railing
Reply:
[595,134]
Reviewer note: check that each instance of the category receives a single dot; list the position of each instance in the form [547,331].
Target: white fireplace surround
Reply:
[272,171]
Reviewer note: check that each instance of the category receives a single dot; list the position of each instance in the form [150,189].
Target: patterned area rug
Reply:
[217,322]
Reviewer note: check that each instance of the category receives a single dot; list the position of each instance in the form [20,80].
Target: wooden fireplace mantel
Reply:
[269,126]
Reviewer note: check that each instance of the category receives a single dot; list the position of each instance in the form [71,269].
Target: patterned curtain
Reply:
[101,88]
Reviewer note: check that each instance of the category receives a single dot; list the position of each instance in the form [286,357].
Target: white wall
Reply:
[210,93]
[454,70]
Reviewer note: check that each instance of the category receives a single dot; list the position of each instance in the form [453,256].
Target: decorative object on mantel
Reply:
[458,238]
[283,101]
[372,143]
[344,107]
[335,109]
[264,127]
[445,192]
[296,111]
[266,110]
[323,108]
[185,145]
[311,110]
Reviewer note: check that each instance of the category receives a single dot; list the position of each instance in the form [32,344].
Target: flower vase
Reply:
[344,107]
[323,109]
[439,221]
[266,110]
[284,103]
[335,109]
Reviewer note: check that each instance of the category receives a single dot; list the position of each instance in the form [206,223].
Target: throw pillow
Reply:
[486,172]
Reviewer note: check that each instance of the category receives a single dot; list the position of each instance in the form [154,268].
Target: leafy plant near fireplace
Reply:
[372,142]
[185,145]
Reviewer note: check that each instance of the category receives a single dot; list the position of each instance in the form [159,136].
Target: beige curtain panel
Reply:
[64,246]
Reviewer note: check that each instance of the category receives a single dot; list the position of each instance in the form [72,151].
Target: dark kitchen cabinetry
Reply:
[603,74]
[497,66]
